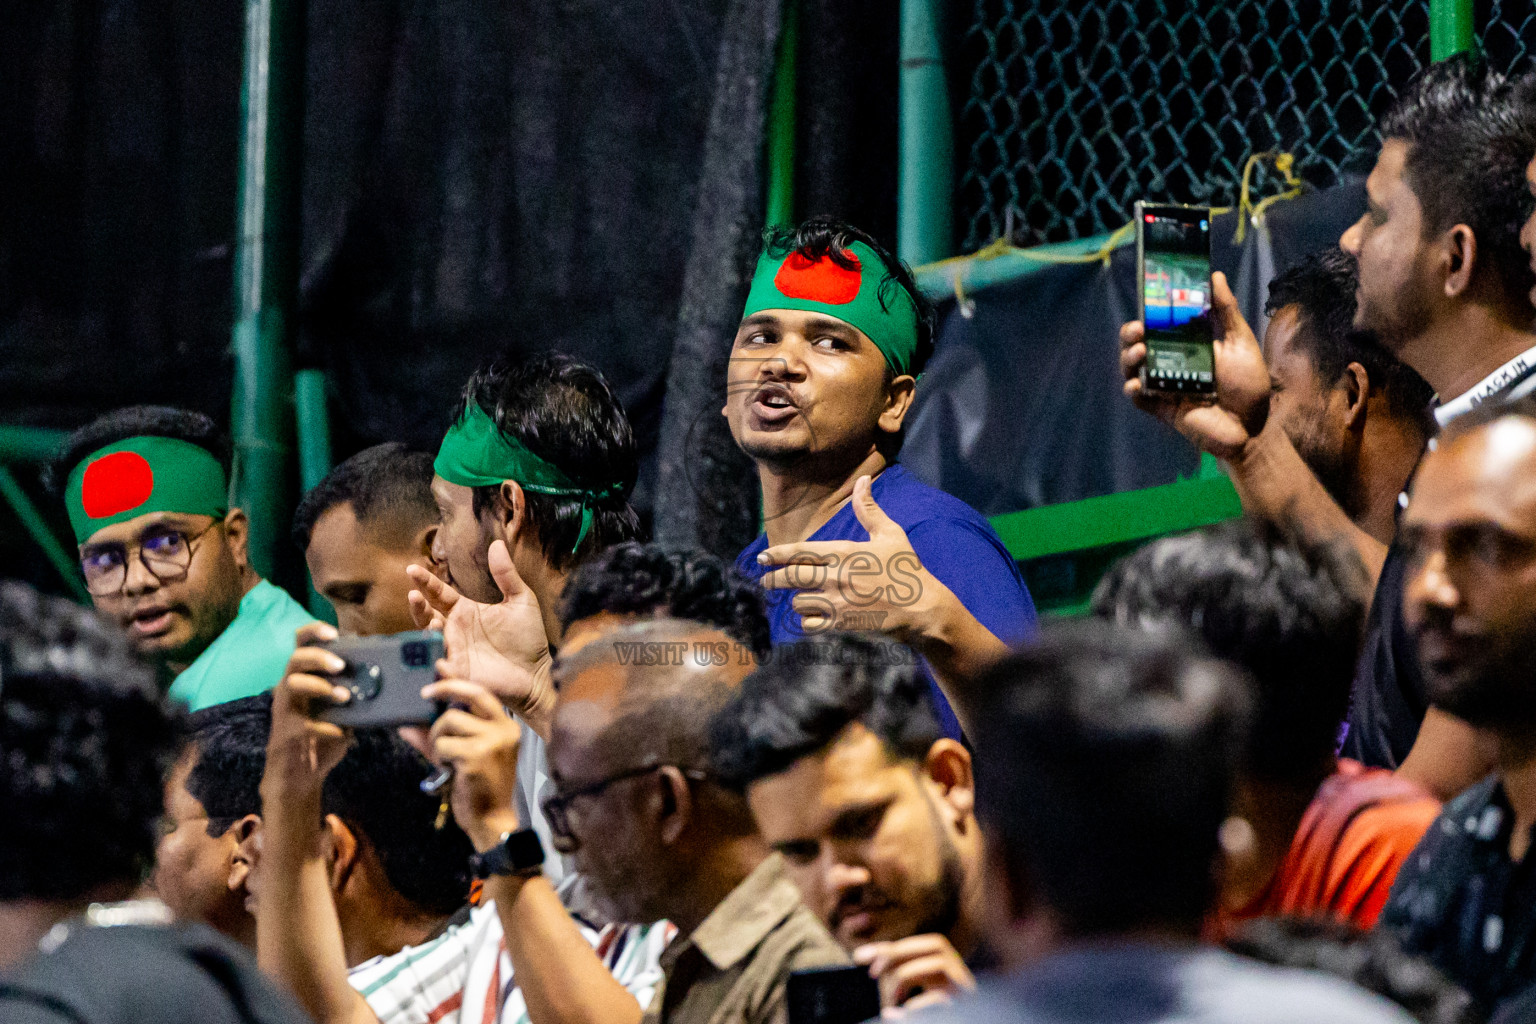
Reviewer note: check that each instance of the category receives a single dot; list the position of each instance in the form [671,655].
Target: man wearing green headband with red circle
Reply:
[822,377]
[163,554]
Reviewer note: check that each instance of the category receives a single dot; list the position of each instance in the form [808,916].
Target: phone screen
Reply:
[1176,298]
[832,995]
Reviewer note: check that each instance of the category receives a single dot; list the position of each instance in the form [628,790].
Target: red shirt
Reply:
[1355,834]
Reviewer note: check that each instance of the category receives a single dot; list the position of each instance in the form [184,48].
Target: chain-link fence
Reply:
[1078,107]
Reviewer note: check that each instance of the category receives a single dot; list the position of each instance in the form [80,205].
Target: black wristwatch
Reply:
[518,853]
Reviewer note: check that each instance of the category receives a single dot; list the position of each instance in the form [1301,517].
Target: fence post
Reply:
[781,121]
[266,268]
[925,174]
[1450,28]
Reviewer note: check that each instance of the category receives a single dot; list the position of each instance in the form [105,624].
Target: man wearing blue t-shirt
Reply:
[823,371]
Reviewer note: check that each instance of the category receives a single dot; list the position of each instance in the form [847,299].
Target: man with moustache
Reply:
[851,779]
[1444,286]
[164,555]
[1357,415]
[1466,898]
[657,836]
[822,375]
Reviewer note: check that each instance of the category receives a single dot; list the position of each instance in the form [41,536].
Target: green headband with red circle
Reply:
[139,475]
[858,296]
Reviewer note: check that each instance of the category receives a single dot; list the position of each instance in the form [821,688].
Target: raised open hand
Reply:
[500,646]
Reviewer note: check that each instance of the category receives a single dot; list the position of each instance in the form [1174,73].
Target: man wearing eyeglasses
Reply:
[163,554]
[656,837]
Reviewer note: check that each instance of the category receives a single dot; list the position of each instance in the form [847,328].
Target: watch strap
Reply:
[518,853]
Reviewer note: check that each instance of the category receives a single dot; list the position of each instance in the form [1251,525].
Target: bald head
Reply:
[646,691]
[629,754]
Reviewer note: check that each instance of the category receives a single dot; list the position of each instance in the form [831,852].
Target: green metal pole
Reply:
[36,524]
[266,268]
[314,427]
[926,171]
[314,457]
[781,122]
[30,444]
[1450,28]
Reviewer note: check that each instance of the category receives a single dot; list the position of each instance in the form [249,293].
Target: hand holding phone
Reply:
[385,676]
[1241,408]
[1173,271]
[832,995]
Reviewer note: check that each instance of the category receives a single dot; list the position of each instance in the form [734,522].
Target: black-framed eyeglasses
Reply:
[557,808]
[165,551]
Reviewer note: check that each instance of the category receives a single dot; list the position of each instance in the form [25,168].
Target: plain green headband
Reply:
[476,454]
[140,475]
[853,296]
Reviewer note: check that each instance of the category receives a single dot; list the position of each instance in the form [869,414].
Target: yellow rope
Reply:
[1248,212]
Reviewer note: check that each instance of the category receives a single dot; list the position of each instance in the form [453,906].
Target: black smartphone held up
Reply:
[832,995]
[385,675]
[1173,264]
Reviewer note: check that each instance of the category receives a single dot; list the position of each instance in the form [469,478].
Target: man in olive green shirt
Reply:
[164,556]
[655,837]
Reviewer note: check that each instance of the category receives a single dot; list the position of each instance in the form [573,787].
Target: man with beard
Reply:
[657,836]
[530,481]
[1443,286]
[1466,898]
[822,374]
[164,554]
[1356,414]
[851,779]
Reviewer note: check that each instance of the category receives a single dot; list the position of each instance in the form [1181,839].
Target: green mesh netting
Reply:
[1078,107]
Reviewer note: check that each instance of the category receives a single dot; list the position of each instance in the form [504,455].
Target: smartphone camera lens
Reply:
[416,654]
[366,682]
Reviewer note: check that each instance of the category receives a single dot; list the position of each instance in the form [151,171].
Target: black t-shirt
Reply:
[182,974]
[1388,700]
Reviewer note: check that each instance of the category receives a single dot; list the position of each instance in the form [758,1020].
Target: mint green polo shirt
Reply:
[249,656]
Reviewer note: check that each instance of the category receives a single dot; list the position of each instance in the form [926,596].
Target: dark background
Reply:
[478,176]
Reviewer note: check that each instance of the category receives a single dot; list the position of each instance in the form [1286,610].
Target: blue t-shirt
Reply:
[951,539]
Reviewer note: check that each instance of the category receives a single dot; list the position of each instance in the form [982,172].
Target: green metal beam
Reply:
[314,426]
[781,121]
[30,444]
[36,524]
[973,273]
[925,172]
[266,268]
[1450,28]
[1117,518]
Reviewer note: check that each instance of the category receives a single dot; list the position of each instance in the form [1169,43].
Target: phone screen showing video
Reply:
[1176,298]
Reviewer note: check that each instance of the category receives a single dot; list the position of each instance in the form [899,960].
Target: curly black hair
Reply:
[1471,131]
[647,579]
[1322,288]
[564,412]
[136,421]
[824,237]
[1288,611]
[375,789]
[86,740]
[388,486]
[801,700]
